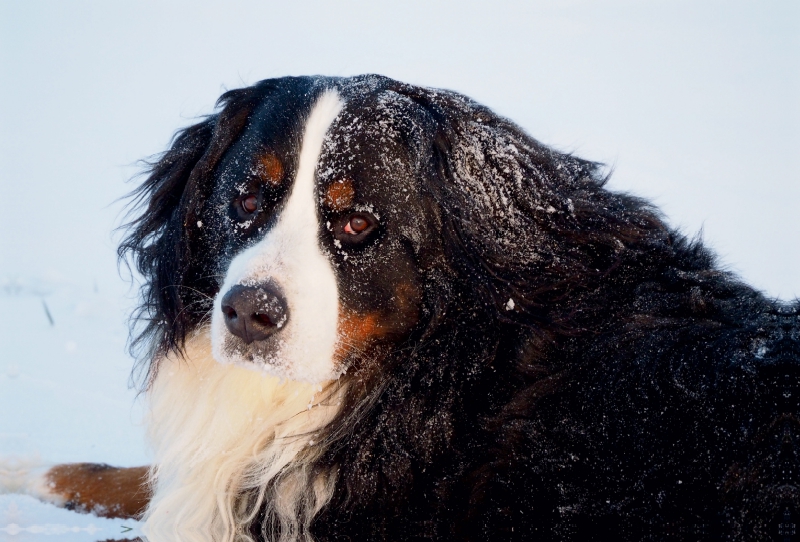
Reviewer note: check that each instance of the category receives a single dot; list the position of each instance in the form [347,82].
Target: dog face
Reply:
[317,227]
[319,223]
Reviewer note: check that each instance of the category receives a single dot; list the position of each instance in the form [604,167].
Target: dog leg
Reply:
[99,489]
[104,490]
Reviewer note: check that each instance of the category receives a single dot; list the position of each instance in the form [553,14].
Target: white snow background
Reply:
[694,103]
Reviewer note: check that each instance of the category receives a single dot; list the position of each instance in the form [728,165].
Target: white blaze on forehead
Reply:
[290,257]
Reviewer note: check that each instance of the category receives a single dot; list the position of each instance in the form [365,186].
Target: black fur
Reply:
[634,391]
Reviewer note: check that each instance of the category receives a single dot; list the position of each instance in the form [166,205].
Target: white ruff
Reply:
[289,256]
[219,431]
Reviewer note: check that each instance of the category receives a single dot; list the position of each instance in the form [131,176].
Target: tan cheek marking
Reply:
[104,490]
[340,195]
[355,332]
[270,169]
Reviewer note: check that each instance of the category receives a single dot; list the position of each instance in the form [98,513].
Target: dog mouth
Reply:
[256,326]
[255,317]
[267,353]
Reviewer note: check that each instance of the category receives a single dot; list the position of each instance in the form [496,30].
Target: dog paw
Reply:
[28,476]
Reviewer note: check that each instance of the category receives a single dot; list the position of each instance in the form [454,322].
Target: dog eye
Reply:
[250,204]
[355,228]
[356,225]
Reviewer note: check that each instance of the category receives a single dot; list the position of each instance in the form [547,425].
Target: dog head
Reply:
[318,250]
[314,223]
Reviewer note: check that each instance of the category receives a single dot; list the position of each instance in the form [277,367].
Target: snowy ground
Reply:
[23,519]
[63,396]
[693,103]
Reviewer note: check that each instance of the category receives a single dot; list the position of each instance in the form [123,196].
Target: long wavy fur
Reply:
[545,280]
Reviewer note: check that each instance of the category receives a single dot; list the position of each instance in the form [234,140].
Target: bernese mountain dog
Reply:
[375,311]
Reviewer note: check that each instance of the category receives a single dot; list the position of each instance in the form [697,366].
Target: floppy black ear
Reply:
[528,223]
[161,243]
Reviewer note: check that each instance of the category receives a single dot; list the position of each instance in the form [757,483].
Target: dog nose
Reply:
[253,313]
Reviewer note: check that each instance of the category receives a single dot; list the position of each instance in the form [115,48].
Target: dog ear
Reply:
[528,224]
[162,244]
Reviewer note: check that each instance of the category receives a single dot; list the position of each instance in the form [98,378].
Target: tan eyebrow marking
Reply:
[340,195]
[270,169]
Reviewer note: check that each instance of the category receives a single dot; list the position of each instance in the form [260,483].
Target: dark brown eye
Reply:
[356,225]
[356,228]
[250,204]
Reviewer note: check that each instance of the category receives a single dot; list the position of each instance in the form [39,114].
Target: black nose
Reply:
[253,313]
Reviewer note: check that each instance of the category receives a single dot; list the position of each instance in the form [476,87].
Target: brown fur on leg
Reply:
[100,489]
